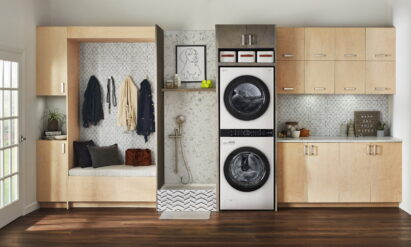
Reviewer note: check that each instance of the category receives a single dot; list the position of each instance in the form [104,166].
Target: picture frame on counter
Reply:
[191,63]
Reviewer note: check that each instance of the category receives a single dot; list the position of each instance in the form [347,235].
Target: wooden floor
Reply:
[141,227]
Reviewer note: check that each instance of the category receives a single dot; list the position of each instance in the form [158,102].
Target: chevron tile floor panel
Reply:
[186,200]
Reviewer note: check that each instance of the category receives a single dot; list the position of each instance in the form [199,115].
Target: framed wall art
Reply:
[191,63]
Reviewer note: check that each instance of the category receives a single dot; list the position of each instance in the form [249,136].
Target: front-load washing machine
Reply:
[246,97]
[246,169]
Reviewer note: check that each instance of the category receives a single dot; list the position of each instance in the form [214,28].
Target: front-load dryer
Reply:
[247,170]
[246,96]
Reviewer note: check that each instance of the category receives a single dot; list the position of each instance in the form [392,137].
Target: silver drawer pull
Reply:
[382,55]
[243,39]
[288,88]
[382,88]
[320,88]
[306,150]
[320,55]
[288,55]
[350,55]
[62,87]
[350,88]
[63,148]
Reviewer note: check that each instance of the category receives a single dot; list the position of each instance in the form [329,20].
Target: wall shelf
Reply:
[188,89]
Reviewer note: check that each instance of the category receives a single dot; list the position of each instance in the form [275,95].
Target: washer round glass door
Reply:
[246,169]
[246,97]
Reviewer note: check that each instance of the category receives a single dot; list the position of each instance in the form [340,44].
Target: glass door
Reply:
[10,206]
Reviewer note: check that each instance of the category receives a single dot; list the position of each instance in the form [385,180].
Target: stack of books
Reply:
[54,135]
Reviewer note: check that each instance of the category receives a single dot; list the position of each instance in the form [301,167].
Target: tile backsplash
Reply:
[323,114]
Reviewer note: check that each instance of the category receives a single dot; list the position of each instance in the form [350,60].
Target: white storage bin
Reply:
[227,56]
[265,56]
[246,56]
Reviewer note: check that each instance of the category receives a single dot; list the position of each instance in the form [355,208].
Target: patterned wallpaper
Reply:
[200,134]
[117,60]
[323,114]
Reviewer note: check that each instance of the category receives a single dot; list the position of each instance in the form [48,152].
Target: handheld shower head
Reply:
[180,119]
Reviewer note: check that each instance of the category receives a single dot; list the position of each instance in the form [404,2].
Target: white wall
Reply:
[204,14]
[402,100]
[18,19]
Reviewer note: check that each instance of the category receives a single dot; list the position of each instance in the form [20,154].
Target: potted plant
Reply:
[54,120]
[381,130]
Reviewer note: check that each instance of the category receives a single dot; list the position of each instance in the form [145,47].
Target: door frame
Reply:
[16,209]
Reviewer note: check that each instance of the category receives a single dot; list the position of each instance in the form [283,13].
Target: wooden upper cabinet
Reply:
[380,77]
[380,44]
[260,36]
[319,43]
[319,77]
[385,172]
[350,44]
[290,43]
[350,77]
[231,36]
[290,77]
[292,175]
[52,171]
[322,172]
[51,60]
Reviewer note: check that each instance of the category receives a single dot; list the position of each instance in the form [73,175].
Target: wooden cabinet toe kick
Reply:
[339,205]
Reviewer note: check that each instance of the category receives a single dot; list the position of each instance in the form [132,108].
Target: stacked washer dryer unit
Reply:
[247,144]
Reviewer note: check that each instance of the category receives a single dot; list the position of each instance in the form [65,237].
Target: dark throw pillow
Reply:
[104,156]
[81,154]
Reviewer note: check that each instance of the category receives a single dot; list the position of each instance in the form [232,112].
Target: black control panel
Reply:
[246,133]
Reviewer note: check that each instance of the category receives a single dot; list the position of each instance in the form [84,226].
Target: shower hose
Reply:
[189,175]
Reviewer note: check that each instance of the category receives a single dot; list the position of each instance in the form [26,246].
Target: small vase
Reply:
[380,133]
[53,125]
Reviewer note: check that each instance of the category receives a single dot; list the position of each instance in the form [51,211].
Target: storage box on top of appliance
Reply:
[246,56]
[265,56]
[228,56]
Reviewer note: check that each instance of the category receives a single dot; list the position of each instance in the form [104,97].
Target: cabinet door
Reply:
[350,77]
[292,177]
[290,77]
[354,173]
[290,43]
[52,171]
[319,77]
[380,44]
[319,43]
[51,59]
[231,36]
[380,78]
[350,43]
[385,172]
[261,36]
[322,172]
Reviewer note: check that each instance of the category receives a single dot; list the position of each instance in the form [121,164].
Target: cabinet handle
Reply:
[288,55]
[63,148]
[375,149]
[242,39]
[312,150]
[288,89]
[350,88]
[320,88]
[320,55]
[382,55]
[369,149]
[62,87]
[350,55]
[250,39]
[381,88]
[305,150]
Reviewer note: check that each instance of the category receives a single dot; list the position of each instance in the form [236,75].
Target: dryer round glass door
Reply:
[246,169]
[246,97]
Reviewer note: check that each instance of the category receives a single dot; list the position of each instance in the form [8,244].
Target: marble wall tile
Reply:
[118,60]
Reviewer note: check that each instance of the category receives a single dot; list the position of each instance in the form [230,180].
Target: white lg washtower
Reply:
[247,161]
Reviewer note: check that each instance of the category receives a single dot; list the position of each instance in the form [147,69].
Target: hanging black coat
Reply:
[92,106]
[145,115]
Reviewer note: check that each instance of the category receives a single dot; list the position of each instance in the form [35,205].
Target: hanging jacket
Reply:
[145,119]
[92,106]
[127,109]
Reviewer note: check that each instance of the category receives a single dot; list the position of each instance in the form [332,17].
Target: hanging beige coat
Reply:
[127,109]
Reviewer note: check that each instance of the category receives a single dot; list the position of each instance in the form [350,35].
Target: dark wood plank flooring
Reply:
[141,227]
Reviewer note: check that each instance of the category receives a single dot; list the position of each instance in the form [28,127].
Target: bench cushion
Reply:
[115,171]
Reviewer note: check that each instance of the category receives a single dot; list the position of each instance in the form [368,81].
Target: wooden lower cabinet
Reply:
[52,171]
[339,172]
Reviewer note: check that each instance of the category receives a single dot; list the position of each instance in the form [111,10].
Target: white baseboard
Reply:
[30,208]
